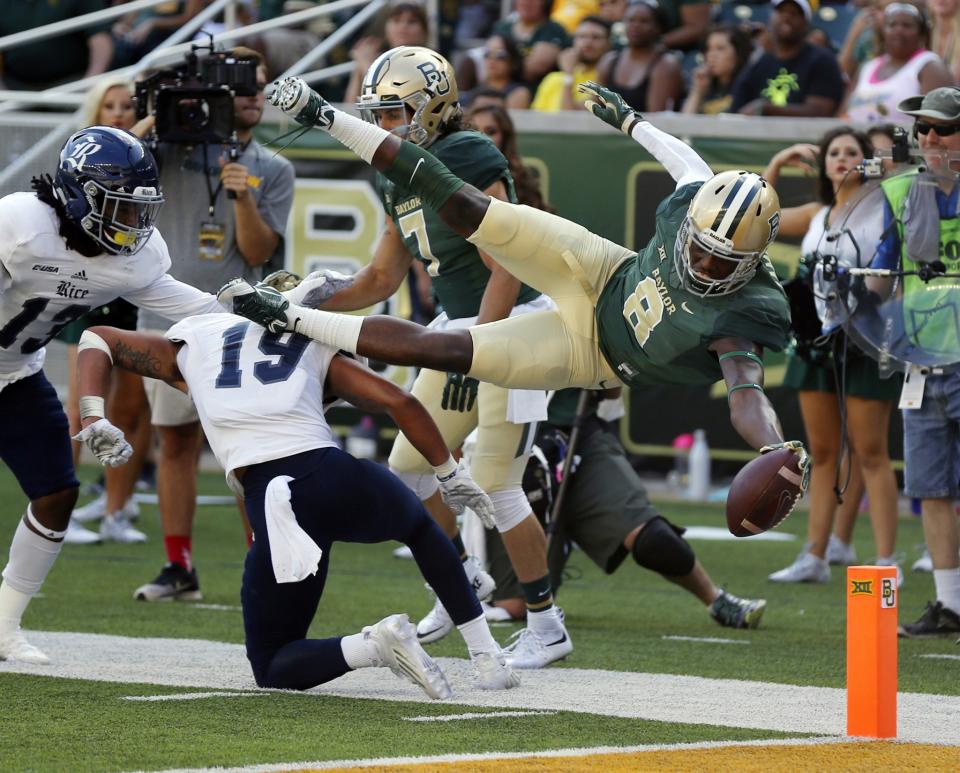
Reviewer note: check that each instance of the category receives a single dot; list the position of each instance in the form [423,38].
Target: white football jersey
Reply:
[259,395]
[44,285]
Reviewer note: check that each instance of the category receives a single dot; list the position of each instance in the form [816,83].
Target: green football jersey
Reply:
[653,331]
[458,273]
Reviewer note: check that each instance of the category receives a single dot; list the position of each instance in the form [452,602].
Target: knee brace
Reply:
[423,484]
[510,508]
[660,548]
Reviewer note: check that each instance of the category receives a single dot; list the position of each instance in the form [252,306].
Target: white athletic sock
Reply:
[947,583]
[545,621]
[12,605]
[476,633]
[31,557]
[341,331]
[359,651]
[361,137]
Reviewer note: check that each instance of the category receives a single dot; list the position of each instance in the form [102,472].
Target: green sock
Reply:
[459,547]
[538,594]
[417,170]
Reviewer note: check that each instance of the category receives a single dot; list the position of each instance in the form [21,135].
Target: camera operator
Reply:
[225,217]
[924,204]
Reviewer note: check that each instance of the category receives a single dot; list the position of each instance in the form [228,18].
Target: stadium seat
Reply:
[835,20]
[742,13]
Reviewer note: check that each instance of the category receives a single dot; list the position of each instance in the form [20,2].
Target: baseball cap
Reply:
[803,5]
[942,103]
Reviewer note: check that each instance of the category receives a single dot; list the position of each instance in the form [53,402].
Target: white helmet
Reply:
[733,216]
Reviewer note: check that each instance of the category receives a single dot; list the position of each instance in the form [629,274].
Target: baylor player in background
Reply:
[412,92]
[697,304]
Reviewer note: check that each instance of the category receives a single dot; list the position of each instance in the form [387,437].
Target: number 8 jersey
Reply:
[652,331]
[259,395]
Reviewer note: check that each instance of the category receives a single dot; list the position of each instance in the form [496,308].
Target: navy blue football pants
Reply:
[336,498]
[35,437]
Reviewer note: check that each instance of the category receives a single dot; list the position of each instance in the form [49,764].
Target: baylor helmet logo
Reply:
[436,80]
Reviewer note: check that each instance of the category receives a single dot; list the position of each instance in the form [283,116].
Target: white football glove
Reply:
[317,287]
[107,443]
[460,490]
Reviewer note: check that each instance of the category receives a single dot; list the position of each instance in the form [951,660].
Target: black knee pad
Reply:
[660,548]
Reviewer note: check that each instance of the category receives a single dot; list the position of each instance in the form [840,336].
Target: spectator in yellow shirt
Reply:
[557,91]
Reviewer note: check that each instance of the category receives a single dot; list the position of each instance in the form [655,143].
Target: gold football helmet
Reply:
[416,78]
[734,216]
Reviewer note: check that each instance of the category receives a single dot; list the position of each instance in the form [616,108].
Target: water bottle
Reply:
[677,477]
[698,487]
[362,440]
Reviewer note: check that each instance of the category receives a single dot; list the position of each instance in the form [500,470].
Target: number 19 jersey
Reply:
[652,331]
[259,395]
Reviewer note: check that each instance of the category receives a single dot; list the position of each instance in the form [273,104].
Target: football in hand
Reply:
[764,493]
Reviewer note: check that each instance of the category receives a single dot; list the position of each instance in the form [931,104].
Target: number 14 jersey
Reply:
[652,331]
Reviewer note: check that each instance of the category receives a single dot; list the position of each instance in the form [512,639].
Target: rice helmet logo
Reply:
[436,80]
[81,152]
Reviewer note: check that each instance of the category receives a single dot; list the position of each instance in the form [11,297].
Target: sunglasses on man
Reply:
[941,130]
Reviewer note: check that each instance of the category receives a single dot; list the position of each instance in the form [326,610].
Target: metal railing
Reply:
[39,150]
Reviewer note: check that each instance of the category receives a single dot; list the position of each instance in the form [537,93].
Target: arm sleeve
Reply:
[173,299]
[678,158]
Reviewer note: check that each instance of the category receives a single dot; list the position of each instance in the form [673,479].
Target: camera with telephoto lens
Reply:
[193,101]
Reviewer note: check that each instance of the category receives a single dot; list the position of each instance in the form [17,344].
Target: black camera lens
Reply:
[192,114]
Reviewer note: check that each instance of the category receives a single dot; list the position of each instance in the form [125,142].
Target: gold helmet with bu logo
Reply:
[734,216]
[416,78]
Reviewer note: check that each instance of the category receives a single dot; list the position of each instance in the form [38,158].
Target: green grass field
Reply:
[617,624]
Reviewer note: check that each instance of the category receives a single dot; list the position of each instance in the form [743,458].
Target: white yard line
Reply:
[192,696]
[705,639]
[477,715]
[217,607]
[939,656]
[662,697]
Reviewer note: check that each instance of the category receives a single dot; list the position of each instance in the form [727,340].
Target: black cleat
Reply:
[936,620]
[173,583]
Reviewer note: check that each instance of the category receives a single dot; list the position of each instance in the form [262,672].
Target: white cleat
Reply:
[14,646]
[117,528]
[437,622]
[531,650]
[924,563]
[396,642]
[493,672]
[78,535]
[839,553]
[806,568]
[891,561]
[97,509]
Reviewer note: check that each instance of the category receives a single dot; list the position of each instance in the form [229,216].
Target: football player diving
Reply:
[698,303]
[412,91]
[80,240]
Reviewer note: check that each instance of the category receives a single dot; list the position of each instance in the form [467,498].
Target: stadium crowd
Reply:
[882,66]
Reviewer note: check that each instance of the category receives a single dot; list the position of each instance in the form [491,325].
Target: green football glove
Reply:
[459,393]
[804,462]
[609,106]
